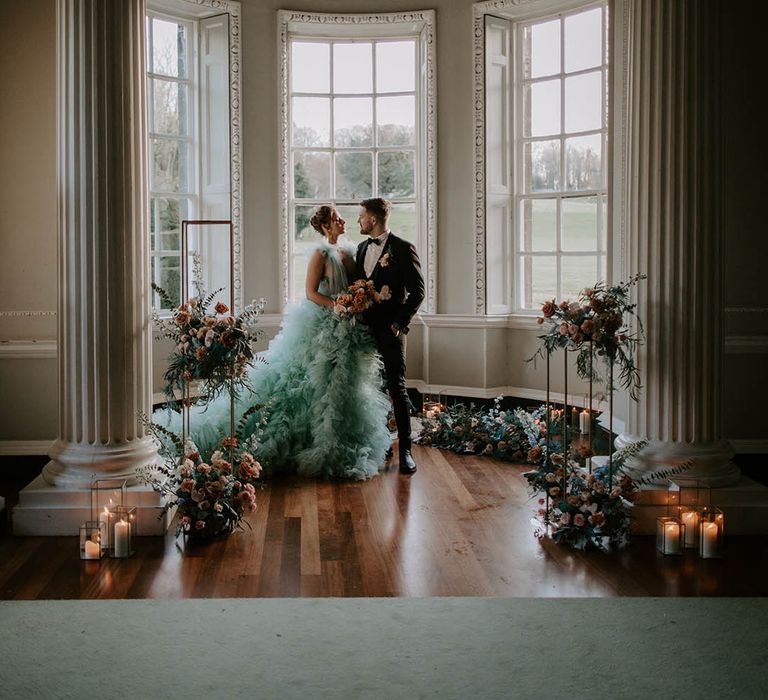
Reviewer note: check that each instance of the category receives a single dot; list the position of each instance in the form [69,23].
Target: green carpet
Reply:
[385,648]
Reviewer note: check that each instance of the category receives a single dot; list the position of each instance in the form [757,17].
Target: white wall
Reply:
[474,357]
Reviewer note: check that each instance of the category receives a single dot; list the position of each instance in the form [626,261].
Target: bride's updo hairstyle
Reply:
[321,217]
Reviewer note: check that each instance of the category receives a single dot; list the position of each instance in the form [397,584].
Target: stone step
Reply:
[43,510]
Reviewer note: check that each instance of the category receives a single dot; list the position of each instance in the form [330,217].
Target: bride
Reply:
[321,379]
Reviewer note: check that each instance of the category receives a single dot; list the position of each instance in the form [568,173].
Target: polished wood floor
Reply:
[459,527]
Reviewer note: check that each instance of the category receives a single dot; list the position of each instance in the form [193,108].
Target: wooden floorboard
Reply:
[459,527]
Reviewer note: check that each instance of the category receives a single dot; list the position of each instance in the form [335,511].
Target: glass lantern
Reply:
[690,517]
[670,535]
[123,531]
[92,536]
[711,532]
[432,404]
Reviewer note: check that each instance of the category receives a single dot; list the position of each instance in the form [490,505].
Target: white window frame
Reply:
[192,194]
[613,157]
[563,194]
[418,25]
[191,12]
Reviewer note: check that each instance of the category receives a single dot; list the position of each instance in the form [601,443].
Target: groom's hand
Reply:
[395,329]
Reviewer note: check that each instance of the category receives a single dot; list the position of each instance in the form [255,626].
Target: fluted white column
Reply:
[104,329]
[673,197]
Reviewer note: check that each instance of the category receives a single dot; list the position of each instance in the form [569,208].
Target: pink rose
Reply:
[563,329]
[200,524]
[578,520]
[186,520]
[187,485]
[565,518]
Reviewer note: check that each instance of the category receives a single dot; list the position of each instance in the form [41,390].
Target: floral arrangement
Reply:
[212,345]
[588,510]
[509,435]
[359,297]
[211,495]
[596,324]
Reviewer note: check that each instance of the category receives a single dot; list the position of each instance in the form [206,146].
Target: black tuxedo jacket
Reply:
[399,269]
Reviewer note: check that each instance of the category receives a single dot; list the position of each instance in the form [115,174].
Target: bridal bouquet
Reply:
[596,323]
[359,297]
[212,345]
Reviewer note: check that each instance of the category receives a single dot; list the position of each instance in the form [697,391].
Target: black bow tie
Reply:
[377,241]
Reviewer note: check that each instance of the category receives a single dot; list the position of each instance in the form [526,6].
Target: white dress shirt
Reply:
[373,253]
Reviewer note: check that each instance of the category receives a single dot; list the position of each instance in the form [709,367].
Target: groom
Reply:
[391,263]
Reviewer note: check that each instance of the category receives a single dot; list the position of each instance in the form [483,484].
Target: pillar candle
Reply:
[92,550]
[671,538]
[104,517]
[122,531]
[574,417]
[690,519]
[708,540]
[584,421]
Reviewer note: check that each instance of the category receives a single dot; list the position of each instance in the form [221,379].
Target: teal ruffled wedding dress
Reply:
[321,376]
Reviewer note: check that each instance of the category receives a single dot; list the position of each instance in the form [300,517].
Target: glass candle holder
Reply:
[711,530]
[92,536]
[670,535]
[106,494]
[123,532]
[431,405]
[690,516]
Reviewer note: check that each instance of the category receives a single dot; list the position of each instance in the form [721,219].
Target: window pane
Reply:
[583,102]
[579,224]
[167,215]
[583,162]
[350,213]
[539,276]
[300,272]
[312,175]
[396,174]
[539,229]
[311,121]
[583,40]
[542,166]
[395,66]
[168,276]
[353,121]
[578,273]
[170,102]
[541,44]
[310,67]
[169,41]
[303,230]
[542,108]
[352,68]
[403,222]
[170,165]
[354,175]
[396,120]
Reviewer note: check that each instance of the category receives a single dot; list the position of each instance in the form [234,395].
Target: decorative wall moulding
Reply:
[746,344]
[27,349]
[21,448]
[26,314]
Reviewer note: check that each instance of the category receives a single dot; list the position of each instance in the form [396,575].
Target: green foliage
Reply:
[513,436]
[596,328]
[212,347]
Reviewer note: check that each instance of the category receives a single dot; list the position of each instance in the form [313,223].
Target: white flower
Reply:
[385,292]
[209,336]
[384,260]
[339,309]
